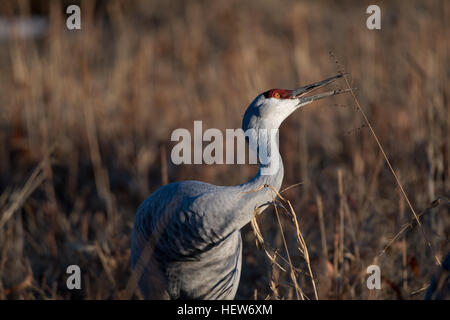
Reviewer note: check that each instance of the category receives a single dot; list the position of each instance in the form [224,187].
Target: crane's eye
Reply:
[277,95]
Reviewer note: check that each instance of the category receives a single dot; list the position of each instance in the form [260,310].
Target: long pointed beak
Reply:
[300,93]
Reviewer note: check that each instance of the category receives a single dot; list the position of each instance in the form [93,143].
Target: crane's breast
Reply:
[215,275]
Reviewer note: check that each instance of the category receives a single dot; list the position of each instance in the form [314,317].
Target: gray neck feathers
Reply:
[240,202]
[263,139]
[256,193]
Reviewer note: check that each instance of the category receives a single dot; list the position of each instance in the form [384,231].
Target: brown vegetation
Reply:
[86,118]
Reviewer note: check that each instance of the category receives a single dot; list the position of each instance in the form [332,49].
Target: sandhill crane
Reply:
[186,241]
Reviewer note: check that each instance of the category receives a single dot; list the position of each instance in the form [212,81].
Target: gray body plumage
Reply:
[186,241]
[198,247]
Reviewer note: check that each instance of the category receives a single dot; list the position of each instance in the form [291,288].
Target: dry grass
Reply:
[86,118]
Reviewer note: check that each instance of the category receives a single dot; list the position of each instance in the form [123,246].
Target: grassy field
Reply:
[86,118]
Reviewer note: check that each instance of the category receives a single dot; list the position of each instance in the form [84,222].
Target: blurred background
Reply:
[86,117]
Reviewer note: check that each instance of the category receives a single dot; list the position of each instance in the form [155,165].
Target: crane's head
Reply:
[271,108]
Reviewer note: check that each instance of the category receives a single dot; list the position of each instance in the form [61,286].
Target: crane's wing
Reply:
[188,222]
[187,218]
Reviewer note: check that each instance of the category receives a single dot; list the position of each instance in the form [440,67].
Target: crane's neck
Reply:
[258,192]
[264,142]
